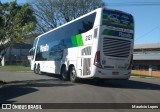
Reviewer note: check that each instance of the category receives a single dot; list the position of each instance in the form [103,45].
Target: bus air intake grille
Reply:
[116,47]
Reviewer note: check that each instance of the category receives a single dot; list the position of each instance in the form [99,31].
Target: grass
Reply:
[143,76]
[15,68]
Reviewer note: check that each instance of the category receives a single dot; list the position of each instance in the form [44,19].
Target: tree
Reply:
[53,13]
[16,22]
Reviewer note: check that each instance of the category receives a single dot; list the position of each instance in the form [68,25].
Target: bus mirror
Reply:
[31,52]
[30,58]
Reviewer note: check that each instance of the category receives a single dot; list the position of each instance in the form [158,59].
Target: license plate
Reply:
[115,73]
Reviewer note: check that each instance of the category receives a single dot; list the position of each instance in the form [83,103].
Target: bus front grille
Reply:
[116,47]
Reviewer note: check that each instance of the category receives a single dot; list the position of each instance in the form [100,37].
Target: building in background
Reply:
[146,59]
[17,54]
[147,56]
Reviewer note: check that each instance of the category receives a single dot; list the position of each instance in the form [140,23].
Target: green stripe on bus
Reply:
[74,42]
[77,40]
[117,33]
[108,32]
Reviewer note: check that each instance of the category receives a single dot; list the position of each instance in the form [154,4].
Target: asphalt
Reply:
[32,88]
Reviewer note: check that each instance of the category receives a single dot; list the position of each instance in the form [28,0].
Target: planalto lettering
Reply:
[44,48]
[127,35]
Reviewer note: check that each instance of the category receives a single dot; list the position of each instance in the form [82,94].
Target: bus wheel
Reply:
[35,69]
[73,74]
[64,73]
[38,70]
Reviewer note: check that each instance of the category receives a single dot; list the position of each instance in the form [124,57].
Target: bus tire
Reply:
[64,73]
[39,70]
[73,74]
[35,69]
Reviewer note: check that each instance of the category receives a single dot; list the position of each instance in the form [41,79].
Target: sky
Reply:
[146,17]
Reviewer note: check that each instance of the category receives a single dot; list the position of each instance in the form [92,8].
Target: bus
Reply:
[97,45]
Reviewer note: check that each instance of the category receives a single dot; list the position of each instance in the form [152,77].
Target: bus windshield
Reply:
[117,19]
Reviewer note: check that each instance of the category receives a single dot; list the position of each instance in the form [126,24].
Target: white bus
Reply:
[96,45]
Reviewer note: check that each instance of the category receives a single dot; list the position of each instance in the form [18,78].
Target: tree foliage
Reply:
[16,22]
[53,13]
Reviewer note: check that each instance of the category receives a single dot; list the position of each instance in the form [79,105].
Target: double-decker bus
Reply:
[98,45]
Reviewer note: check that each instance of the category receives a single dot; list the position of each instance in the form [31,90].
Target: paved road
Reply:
[31,88]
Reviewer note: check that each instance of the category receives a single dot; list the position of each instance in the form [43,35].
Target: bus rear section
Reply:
[114,54]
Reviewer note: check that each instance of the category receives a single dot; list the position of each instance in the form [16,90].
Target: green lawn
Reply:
[15,68]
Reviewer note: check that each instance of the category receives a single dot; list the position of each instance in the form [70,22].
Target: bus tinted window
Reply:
[50,51]
[55,40]
[83,25]
[80,26]
[117,19]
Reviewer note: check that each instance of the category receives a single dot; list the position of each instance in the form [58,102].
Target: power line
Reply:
[127,3]
[133,4]
[145,34]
